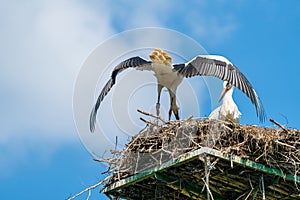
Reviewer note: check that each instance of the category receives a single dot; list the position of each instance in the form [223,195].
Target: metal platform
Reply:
[189,175]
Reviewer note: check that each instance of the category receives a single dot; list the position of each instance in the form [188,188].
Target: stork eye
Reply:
[228,85]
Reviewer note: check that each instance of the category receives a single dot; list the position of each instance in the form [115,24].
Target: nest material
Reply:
[158,144]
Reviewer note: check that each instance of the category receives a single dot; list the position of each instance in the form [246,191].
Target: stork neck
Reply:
[228,95]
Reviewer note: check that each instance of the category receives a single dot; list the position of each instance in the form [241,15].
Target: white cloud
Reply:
[43,44]
[141,13]
[40,71]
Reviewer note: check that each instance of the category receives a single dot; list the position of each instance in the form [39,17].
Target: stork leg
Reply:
[159,88]
[173,105]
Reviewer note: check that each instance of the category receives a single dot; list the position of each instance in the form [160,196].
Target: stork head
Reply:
[160,57]
[226,87]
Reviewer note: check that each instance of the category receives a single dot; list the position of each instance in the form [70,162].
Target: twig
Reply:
[284,144]
[208,190]
[151,115]
[86,190]
[98,160]
[116,144]
[295,181]
[189,118]
[147,122]
[252,188]
[89,195]
[256,159]
[206,181]
[279,125]
[263,187]
[285,117]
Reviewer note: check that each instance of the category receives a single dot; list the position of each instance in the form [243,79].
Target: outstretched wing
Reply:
[136,62]
[223,69]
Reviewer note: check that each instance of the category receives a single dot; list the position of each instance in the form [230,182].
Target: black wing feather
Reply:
[201,66]
[131,62]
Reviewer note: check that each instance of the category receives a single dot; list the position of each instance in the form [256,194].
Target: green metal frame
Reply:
[156,171]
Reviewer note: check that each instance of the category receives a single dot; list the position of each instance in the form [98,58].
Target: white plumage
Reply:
[228,111]
[170,76]
[164,72]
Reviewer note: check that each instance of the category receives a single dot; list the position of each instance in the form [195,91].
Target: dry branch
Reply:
[156,145]
[159,143]
[151,115]
[279,125]
[86,190]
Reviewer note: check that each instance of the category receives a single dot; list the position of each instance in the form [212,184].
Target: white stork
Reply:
[170,76]
[228,111]
[164,72]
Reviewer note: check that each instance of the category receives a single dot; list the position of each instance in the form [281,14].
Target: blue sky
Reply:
[43,46]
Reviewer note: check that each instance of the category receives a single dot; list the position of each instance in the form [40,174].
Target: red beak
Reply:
[222,94]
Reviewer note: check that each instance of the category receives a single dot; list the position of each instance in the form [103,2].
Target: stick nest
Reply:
[156,144]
